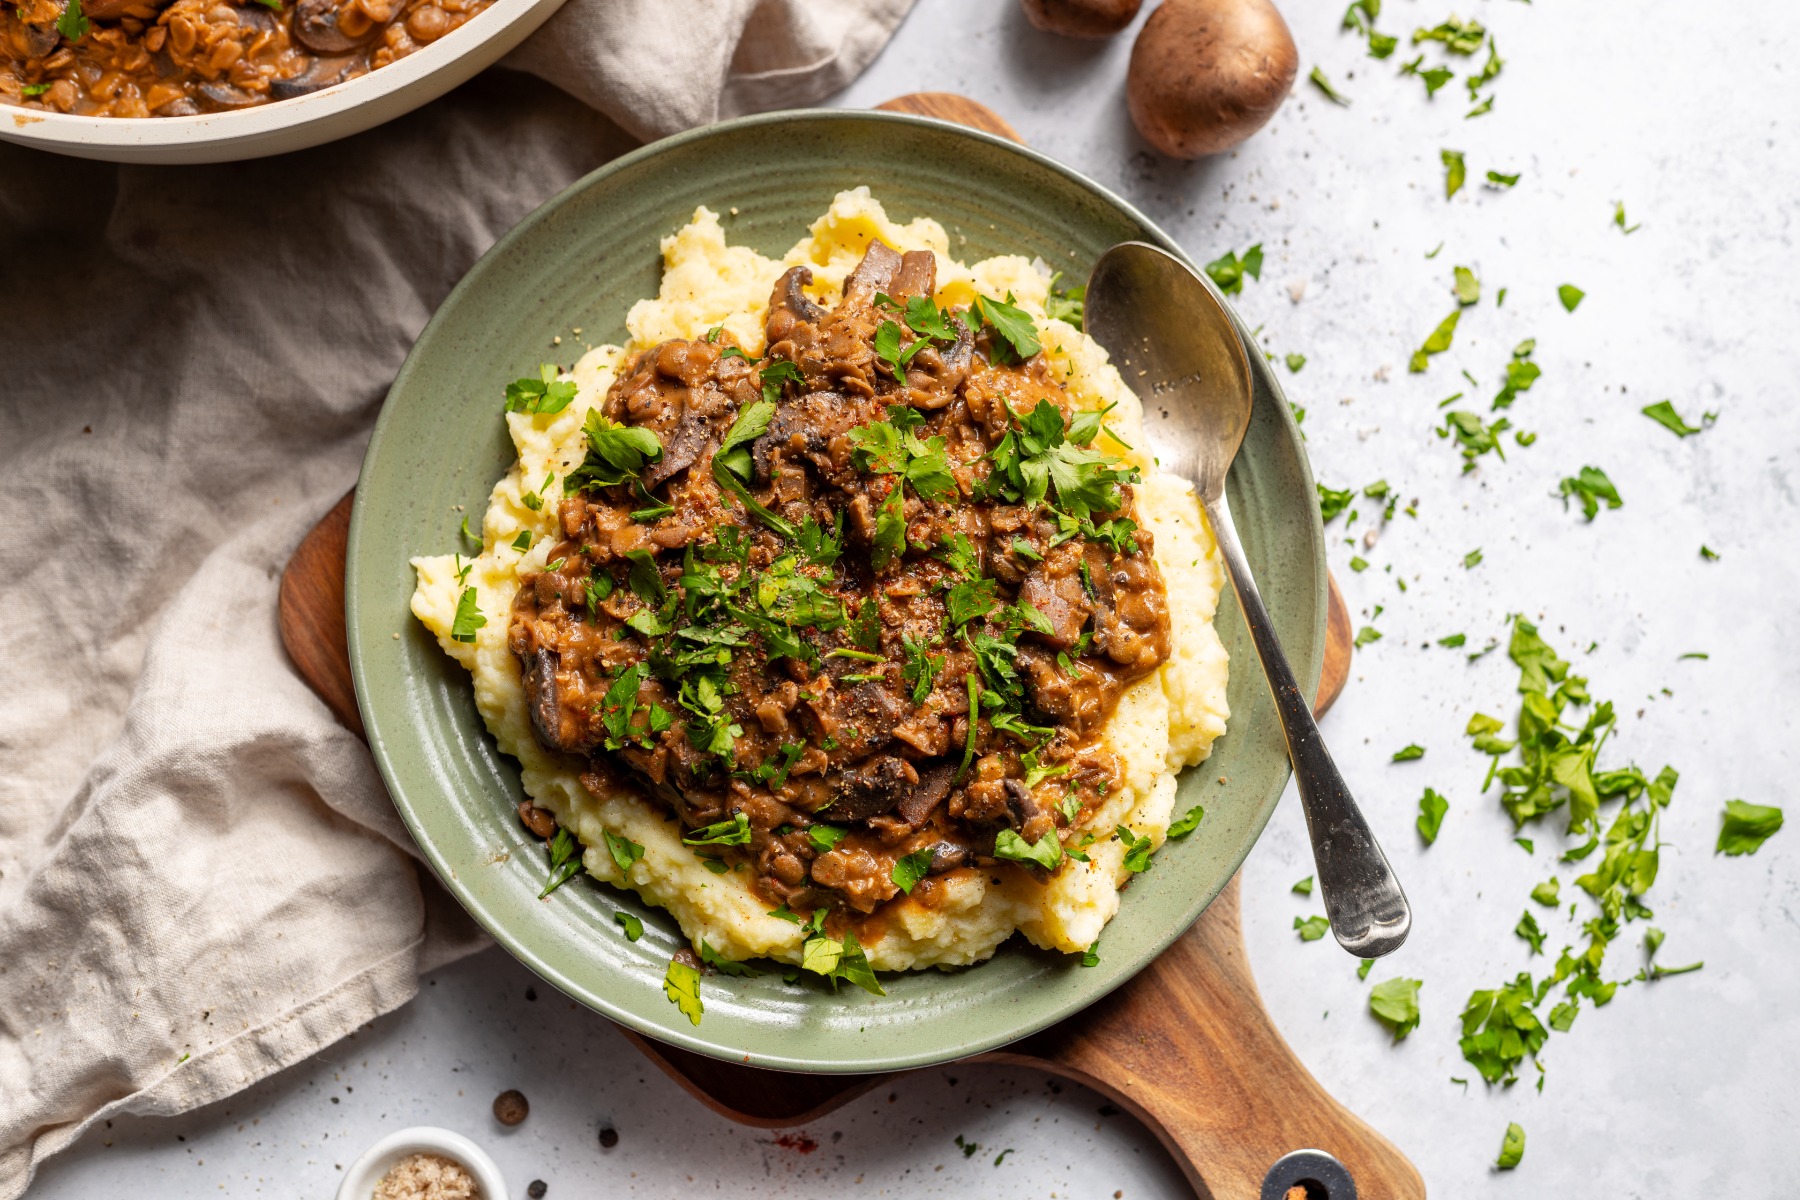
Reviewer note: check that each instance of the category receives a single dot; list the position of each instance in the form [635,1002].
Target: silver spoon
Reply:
[1173,342]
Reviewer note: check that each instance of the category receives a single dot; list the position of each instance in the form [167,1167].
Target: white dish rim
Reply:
[360,1180]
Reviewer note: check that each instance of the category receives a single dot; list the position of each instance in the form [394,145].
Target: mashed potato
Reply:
[1166,721]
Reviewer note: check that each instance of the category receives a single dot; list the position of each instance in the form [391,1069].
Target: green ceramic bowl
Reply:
[580,261]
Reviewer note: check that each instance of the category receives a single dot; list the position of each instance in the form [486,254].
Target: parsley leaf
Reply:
[723,965]
[468,617]
[1438,342]
[1229,269]
[1548,893]
[541,396]
[72,24]
[1570,295]
[1527,928]
[1188,822]
[1432,808]
[565,860]
[731,463]
[1664,414]
[615,454]
[734,832]
[1457,35]
[1591,487]
[1433,78]
[1331,502]
[1013,326]
[1455,171]
[1466,286]
[1498,180]
[909,870]
[1068,305]
[1324,85]
[1137,850]
[1409,753]
[623,850]
[1312,928]
[890,529]
[1743,828]
[1047,852]
[824,838]
[631,925]
[1395,1003]
[681,984]
[1512,1147]
[887,348]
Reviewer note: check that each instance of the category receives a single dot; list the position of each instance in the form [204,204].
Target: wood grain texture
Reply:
[311,613]
[948,106]
[1186,1046]
[1334,673]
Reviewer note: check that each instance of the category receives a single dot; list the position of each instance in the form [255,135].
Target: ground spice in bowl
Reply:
[427,1177]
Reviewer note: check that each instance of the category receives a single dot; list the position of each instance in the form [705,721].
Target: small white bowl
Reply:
[363,102]
[360,1180]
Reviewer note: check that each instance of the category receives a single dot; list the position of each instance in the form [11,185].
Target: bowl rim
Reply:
[74,133]
[679,1035]
[358,1182]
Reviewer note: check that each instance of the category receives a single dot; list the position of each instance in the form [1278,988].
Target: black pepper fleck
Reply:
[609,1137]
[537,1189]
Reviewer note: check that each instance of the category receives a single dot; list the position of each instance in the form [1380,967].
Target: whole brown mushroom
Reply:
[1206,74]
[1081,18]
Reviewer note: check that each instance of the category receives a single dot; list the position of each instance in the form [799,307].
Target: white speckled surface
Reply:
[1677,1089]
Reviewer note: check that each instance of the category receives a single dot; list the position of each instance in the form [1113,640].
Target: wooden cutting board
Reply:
[1186,1046]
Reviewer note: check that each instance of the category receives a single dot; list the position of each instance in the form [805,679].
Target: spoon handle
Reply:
[1368,911]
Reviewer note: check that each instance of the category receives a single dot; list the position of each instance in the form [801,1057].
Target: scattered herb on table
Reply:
[1512,1147]
[1312,928]
[1409,753]
[1395,1003]
[1229,269]
[1570,295]
[1744,827]
[1664,414]
[1591,487]
[1455,171]
[1432,808]
[1324,85]
[1304,887]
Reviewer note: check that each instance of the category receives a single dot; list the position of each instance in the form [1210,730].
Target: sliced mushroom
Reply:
[917,275]
[316,27]
[555,728]
[947,856]
[320,73]
[934,784]
[223,96]
[872,790]
[873,274]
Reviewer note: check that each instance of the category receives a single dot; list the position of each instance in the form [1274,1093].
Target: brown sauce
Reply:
[795,685]
[162,58]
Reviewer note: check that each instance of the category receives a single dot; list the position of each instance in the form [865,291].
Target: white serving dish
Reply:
[360,1180]
[335,112]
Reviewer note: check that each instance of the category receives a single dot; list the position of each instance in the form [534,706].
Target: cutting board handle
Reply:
[1190,1050]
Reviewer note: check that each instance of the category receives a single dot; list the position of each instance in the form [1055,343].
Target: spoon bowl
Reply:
[1172,340]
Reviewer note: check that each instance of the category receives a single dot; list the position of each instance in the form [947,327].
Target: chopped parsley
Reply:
[1548,893]
[1042,458]
[1304,887]
[1324,85]
[623,850]
[731,462]
[632,927]
[1619,219]
[72,24]
[1229,269]
[681,984]
[1047,852]
[1188,822]
[1512,1147]
[1016,337]
[1591,487]
[1466,286]
[522,543]
[1395,1003]
[1527,928]
[1067,304]
[1496,179]
[1455,171]
[891,447]
[1458,36]
[468,617]
[1295,362]
[1333,502]
[1472,559]
[1570,295]
[616,453]
[1409,753]
[1436,343]
[909,870]
[1366,635]
[1744,827]
[1432,808]
[565,860]
[542,396]
[1664,414]
[734,832]
[1137,849]
[1312,928]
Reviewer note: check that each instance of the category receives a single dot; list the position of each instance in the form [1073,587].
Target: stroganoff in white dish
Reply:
[754,571]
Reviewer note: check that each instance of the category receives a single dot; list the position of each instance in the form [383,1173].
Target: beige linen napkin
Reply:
[201,877]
